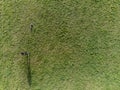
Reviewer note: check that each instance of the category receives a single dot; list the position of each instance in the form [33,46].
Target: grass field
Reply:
[74,44]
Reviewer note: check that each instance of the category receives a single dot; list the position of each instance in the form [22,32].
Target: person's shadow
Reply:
[29,70]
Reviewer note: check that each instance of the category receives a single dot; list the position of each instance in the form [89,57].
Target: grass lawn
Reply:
[73,45]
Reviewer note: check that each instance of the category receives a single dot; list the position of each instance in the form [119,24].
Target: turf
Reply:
[73,45]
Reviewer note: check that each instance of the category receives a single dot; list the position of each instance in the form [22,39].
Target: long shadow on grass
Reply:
[29,70]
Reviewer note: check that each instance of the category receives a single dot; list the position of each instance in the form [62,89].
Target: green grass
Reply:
[74,44]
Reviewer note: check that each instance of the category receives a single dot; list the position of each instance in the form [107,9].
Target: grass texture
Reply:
[73,45]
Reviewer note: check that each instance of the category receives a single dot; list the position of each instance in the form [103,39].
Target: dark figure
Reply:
[28,67]
[31,27]
[24,53]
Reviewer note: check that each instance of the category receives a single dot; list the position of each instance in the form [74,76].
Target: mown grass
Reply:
[74,44]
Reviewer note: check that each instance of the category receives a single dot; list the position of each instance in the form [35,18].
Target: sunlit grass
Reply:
[74,44]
